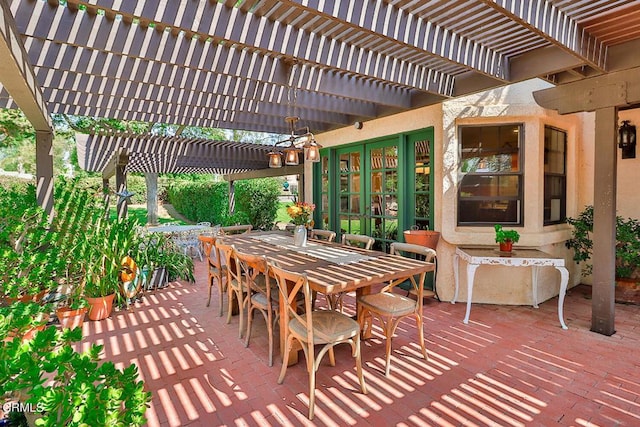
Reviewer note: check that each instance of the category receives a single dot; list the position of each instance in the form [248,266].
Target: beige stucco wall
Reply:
[511,104]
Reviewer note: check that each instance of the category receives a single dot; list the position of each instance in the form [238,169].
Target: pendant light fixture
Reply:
[299,140]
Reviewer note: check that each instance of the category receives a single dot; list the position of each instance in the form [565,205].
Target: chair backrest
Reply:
[365,242]
[408,248]
[253,266]
[237,229]
[288,296]
[404,249]
[207,244]
[327,235]
[227,253]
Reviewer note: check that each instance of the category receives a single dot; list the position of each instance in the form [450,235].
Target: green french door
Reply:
[382,192]
[368,191]
[377,187]
[350,191]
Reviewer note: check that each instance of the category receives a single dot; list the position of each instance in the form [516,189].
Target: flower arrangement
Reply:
[301,212]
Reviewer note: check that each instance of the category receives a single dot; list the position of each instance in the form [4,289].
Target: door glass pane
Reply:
[422,172]
[355,204]
[350,208]
[391,181]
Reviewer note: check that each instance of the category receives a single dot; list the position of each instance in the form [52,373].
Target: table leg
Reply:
[564,281]
[366,290]
[471,273]
[456,266]
[534,285]
[293,355]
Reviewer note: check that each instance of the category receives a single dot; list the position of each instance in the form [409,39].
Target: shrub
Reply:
[627,243]
[256,201]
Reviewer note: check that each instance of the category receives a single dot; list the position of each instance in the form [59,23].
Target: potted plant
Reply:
[111,242]
[72,311]
[627,251]
[506,238]
[160,260]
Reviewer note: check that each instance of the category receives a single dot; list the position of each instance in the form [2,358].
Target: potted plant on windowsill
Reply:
[506,238]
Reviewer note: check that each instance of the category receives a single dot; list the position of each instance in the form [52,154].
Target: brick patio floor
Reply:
[511,366]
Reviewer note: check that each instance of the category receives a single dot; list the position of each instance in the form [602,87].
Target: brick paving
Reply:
[511,366]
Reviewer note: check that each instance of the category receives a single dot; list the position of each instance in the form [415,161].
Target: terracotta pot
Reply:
[69,318]
[426,238]
[627,291]
[31,332]
[506,246]
[100,307]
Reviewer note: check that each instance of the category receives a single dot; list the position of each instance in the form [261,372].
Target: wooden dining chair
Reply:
[327,235]
[322,327]
[258,295]
[359,240]
[237,229]
[217,270]
[235,289]
[390,308]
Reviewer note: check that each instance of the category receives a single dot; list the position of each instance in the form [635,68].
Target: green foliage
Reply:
[205,133]
[201,201]
[503,235]
[627,243]
[70,388]
[27,265]
[156,250]
[256,202]
[109,242]
[15,127]
[258,199]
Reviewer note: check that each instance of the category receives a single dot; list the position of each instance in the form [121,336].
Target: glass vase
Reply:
[300,236]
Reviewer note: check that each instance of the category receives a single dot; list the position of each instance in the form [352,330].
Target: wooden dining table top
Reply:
[330,267]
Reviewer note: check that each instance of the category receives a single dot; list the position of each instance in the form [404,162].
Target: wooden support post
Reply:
[232,197]
[121,184]
[604,223]
[152,197]
[44,171]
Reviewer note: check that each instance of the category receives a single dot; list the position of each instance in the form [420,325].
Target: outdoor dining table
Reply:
[330,267]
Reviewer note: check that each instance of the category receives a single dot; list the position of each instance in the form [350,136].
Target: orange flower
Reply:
[301,212]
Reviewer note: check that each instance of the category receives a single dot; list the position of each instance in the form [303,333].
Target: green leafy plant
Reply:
[627,243]
[67,387]
[504,236]
[156,250]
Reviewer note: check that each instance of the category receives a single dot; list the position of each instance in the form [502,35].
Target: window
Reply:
[555,175]
[491,189]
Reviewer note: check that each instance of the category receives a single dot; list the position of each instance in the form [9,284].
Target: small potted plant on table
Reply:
[506,238]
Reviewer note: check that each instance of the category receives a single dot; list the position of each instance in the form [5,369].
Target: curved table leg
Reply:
[456,265]
[471,273]
[564,281]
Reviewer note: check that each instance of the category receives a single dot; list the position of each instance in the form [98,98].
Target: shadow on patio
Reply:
[510,366]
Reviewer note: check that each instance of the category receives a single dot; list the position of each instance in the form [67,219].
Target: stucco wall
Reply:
[511,104]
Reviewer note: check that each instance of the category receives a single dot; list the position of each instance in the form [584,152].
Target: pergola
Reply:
[231,64]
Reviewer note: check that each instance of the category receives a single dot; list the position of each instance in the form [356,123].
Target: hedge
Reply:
[256,202]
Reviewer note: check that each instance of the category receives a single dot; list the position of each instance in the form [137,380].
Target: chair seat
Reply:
[214,270]
[259,299]
[388,303]
[328,326]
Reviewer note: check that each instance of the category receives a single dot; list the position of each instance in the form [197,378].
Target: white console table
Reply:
[477,256]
